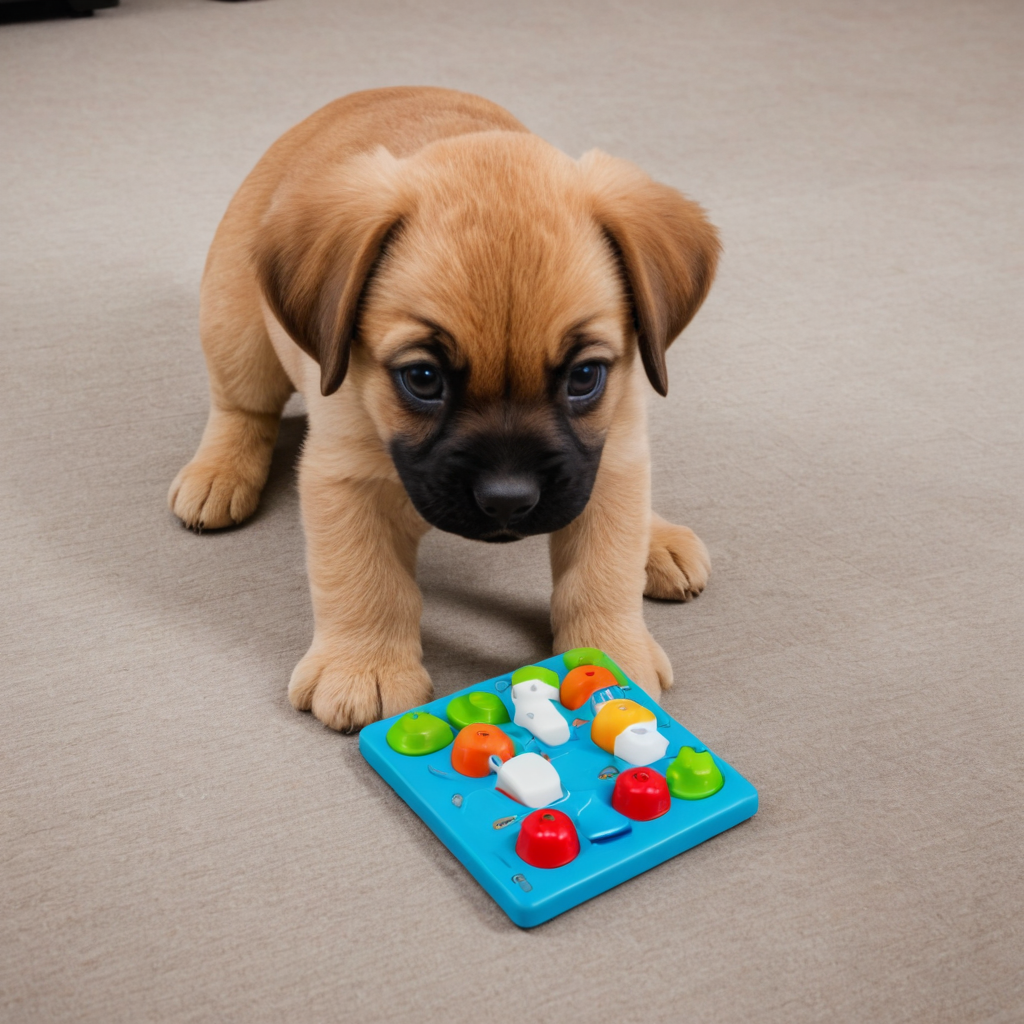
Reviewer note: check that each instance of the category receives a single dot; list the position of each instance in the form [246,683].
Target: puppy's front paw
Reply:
[209,495]
[678,564]
[634,650]
[648,666]
[347,695]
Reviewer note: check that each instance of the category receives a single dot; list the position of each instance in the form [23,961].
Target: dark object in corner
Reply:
[42,10]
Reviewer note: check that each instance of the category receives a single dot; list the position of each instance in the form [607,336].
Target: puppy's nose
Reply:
[507,499]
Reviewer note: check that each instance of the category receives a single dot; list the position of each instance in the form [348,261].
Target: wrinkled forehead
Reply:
[505,263]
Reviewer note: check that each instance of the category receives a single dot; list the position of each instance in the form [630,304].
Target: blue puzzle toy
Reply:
[557,782]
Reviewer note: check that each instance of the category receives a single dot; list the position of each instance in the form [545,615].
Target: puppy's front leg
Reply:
[598,566]
[365,659]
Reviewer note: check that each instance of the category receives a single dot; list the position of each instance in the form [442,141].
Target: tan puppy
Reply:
[463,307]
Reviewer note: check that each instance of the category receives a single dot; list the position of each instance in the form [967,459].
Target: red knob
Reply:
[641,794]
[547,839]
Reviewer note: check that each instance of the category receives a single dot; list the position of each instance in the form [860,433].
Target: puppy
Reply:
[473,318]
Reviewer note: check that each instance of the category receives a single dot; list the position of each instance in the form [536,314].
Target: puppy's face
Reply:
[492,296]
[493,345]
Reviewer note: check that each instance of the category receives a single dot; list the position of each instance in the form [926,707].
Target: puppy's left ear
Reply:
[316,250]
[667,246]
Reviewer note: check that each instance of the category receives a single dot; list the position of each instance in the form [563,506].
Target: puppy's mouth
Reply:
[497,490]
[501,537]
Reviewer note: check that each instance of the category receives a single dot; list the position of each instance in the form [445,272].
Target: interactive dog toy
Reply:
[564,779]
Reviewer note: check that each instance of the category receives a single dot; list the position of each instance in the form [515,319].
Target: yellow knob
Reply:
[615,716]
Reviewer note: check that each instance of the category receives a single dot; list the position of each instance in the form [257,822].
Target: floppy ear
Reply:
[317,246]
[667,246]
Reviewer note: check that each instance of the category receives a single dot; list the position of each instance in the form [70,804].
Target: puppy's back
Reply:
[402,119]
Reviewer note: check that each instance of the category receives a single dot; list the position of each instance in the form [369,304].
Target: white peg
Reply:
[640,744]
[536,713]
[528,778]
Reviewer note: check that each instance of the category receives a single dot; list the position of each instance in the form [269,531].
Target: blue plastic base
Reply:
[480,825]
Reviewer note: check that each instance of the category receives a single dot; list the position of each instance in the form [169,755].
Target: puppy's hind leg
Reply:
[678,563]
[248,389]
[221,485]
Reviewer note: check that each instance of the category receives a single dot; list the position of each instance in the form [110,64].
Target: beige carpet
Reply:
[845,430]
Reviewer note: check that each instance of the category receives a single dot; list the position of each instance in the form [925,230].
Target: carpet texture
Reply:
[844,430]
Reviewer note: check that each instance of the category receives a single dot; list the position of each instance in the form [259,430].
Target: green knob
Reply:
[592,656]
[419,733]
[478,706]
[528,672]
[694,775]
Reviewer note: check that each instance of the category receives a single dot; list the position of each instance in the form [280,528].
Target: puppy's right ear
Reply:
[667,248]
[317,247]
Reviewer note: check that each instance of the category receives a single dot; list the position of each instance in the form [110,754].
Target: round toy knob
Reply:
[641,794]
[547,839]
[615,717]
[419,733]
[693,775]
[478,706]
[475,744]
[579,685]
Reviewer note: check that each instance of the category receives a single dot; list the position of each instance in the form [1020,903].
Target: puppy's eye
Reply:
[423,381]
[586,380]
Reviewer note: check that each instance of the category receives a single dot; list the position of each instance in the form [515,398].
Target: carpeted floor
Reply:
[845,430]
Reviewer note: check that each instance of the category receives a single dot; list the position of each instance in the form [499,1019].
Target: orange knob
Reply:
[613,718]
[580,684]
[475,744]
